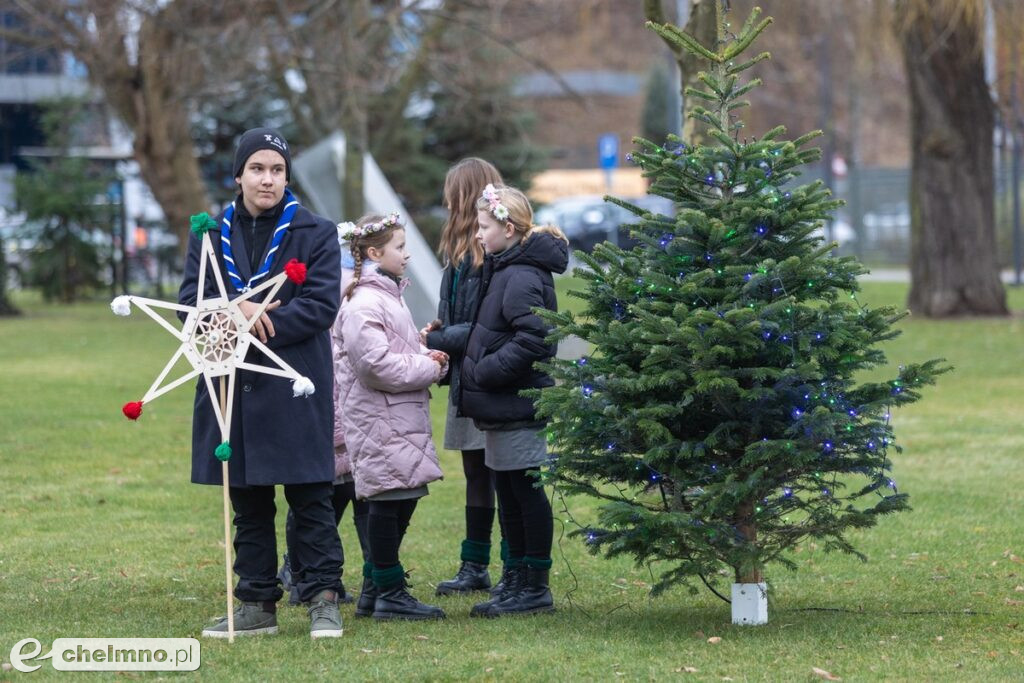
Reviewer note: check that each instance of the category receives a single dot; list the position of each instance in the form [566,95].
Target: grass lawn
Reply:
[102,535]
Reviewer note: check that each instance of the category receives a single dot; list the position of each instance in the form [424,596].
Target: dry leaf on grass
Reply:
[714,640]
[827,675]
[421,637]
[365,650]
[685,669]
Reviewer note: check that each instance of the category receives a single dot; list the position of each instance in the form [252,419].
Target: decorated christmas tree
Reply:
[723,415]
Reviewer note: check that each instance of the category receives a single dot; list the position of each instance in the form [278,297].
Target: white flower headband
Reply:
[348,231]
[498,210]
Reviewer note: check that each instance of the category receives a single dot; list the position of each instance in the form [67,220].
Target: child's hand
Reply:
[427,329]
[441,358]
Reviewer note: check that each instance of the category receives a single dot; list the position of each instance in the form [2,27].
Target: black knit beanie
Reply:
[255,139]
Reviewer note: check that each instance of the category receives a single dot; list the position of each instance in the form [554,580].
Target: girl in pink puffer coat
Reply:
[382,373]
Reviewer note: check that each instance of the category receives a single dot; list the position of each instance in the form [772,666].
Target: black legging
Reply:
[479,496]
[343,495]
[525,514]
[479,481]
[388,521]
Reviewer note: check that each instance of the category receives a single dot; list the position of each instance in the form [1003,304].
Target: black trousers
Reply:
[317,546]
[525,514]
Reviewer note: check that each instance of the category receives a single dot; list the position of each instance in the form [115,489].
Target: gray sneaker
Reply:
[324,617]
[250,620]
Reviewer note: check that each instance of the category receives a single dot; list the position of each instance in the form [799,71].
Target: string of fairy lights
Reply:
[878,439]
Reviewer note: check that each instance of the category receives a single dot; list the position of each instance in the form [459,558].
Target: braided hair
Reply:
[359,244]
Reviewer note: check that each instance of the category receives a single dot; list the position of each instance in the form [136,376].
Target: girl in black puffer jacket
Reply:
[507,340]
[463,257]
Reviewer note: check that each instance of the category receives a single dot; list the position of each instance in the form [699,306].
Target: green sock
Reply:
[514,562]
[537,562]
[367,570]
[387,578]
[476,551]
[504,551]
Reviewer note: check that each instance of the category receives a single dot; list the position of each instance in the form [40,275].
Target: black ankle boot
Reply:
[367,598]
[497,588]
[532,598]
[396,603]
[470,577]
[512,580]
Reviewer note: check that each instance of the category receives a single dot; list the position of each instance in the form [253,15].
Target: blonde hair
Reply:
[462,185]
[361,243]
[520,213]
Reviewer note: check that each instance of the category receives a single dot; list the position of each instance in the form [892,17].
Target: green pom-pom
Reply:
[202,223]
[223,452]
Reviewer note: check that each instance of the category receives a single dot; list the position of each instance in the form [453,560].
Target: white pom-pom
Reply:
[122,305]
[302,387]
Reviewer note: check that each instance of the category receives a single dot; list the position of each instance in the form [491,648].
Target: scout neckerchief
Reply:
[290,207]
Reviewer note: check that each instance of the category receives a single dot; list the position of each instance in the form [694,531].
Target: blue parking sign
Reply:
[608,150]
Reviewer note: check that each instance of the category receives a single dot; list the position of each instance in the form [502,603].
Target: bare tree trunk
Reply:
[353,115]
[702,24]
[7,308]
[953,265]
[747,529]
[353,191]
[163,141]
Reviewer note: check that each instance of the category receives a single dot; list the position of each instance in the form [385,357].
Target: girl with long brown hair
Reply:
[463,258]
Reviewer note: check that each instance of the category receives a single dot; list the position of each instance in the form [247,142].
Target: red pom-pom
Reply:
[296,271]
[132,410]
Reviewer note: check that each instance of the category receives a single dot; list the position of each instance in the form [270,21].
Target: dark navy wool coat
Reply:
[508,337]
[276,438]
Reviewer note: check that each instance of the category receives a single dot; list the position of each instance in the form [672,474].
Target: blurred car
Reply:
[588,220]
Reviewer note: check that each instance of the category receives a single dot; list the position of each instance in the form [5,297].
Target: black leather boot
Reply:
[367,598]
[512,580]
[500,586]
[534,597]
[470,577]
[397,603]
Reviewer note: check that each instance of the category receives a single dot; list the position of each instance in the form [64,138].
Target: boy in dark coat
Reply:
[275,438]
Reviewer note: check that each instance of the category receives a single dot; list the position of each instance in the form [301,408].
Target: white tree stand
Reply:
[750,604]
[215,339]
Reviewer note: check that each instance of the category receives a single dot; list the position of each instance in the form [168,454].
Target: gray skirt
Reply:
[400,494]
[519,449]
[460,434]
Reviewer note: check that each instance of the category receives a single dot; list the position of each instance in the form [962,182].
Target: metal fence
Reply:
[874,225]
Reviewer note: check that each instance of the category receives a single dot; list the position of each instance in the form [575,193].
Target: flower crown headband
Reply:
[498,210]
[349,231]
